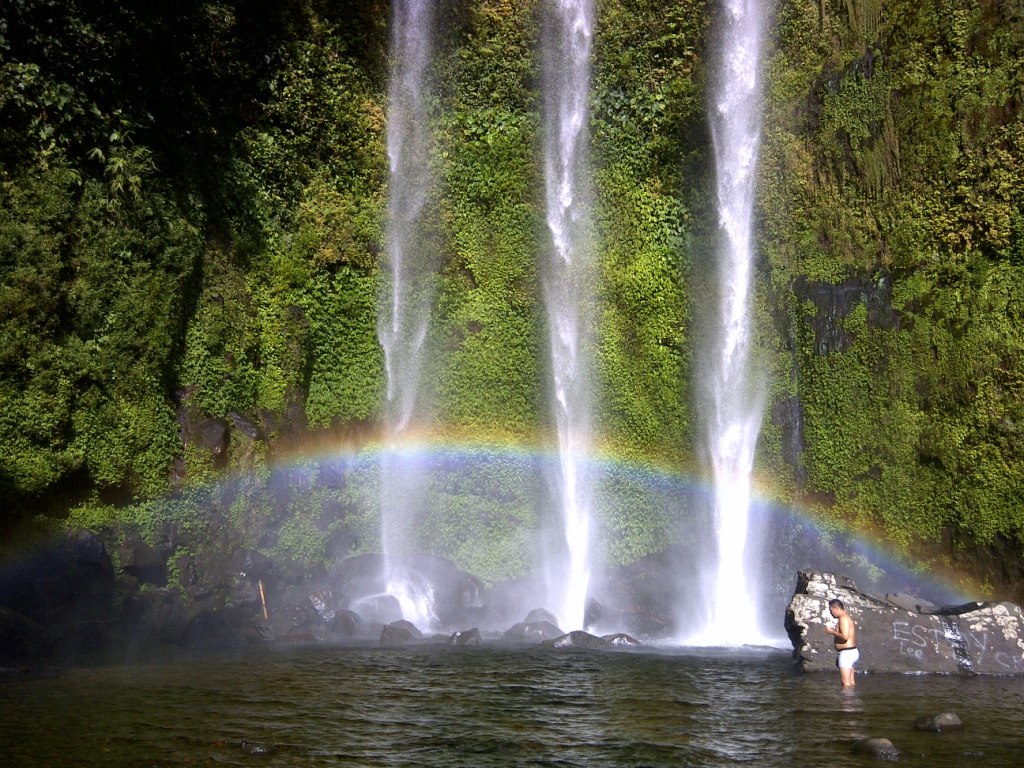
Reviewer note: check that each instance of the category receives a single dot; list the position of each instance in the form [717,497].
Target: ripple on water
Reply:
[492,707]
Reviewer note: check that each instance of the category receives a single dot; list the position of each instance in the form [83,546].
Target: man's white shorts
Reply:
[847,658]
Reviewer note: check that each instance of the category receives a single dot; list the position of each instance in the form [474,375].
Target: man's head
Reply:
[836,607]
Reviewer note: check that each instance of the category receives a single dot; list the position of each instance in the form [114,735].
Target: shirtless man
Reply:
[845,640]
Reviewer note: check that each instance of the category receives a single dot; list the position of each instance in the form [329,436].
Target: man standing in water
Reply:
[845,640]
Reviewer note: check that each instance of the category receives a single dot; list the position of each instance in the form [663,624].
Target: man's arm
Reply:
[843,632]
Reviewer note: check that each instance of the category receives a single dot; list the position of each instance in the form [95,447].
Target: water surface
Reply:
[444,706]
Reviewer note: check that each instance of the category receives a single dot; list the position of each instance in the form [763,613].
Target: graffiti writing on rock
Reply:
[915,639]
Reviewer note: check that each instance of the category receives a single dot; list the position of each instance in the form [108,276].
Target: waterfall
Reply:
[406,293]
[735,402]
[568,288]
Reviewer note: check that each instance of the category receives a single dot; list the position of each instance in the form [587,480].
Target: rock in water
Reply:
[944,721]
[531,633]
[537,615]
[577,639]
[621,639]
[382,608]
[469,637]
[398,633]
[875,747]
[980,638]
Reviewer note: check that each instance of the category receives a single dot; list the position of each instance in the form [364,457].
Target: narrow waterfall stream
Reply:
[568,288]
[406,298]
[734,397]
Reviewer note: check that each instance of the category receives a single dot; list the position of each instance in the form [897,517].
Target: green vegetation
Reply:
[192,207]
[892,167]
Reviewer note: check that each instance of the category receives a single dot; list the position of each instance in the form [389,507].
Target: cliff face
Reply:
[191,231]
[892,241]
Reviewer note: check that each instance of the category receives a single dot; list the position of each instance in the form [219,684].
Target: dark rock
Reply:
[455,596]
[577,639]
[245,426]
[292,613]
[944,721]
[621,639]
[409,627]
[218,630]
[252,565]
[142,561]
[21,639]
[304,637]
[154,616]
[257,749]
[531,633]
[910,603]
[68,588]
[875,746]
[397,635]
[638,598]
[327,602]
[981,638]
[206,434]
[361,576]
[538,615]
[468,637]
[835,302]
[381,608]
[344,624]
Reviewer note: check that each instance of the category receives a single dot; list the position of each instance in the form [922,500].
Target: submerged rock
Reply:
[531,633]
[981,638]
[944,721]
[578,639]
[621,639]
[468,637]
[875,746]
[400,633]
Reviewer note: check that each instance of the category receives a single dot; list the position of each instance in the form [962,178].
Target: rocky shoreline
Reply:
[71,599]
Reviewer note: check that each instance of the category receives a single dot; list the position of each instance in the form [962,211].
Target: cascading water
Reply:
[405,300]
[735,402]
[568,287]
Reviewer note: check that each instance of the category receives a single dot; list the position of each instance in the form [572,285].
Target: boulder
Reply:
[875,746]
[218,630]
[252,565]
[68,588]
[327,602]
[468,637]
[395,634]
[531,633]
[384,609]
[143,562]
[453,595]
[578,639]
[944,721]
[409,627]
[153,616]
[538,615]
[980,638]
[621,639]
[344,625]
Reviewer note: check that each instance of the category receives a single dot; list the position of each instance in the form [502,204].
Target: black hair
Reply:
[836,603]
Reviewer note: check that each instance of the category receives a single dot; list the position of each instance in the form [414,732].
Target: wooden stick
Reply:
[263,598]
